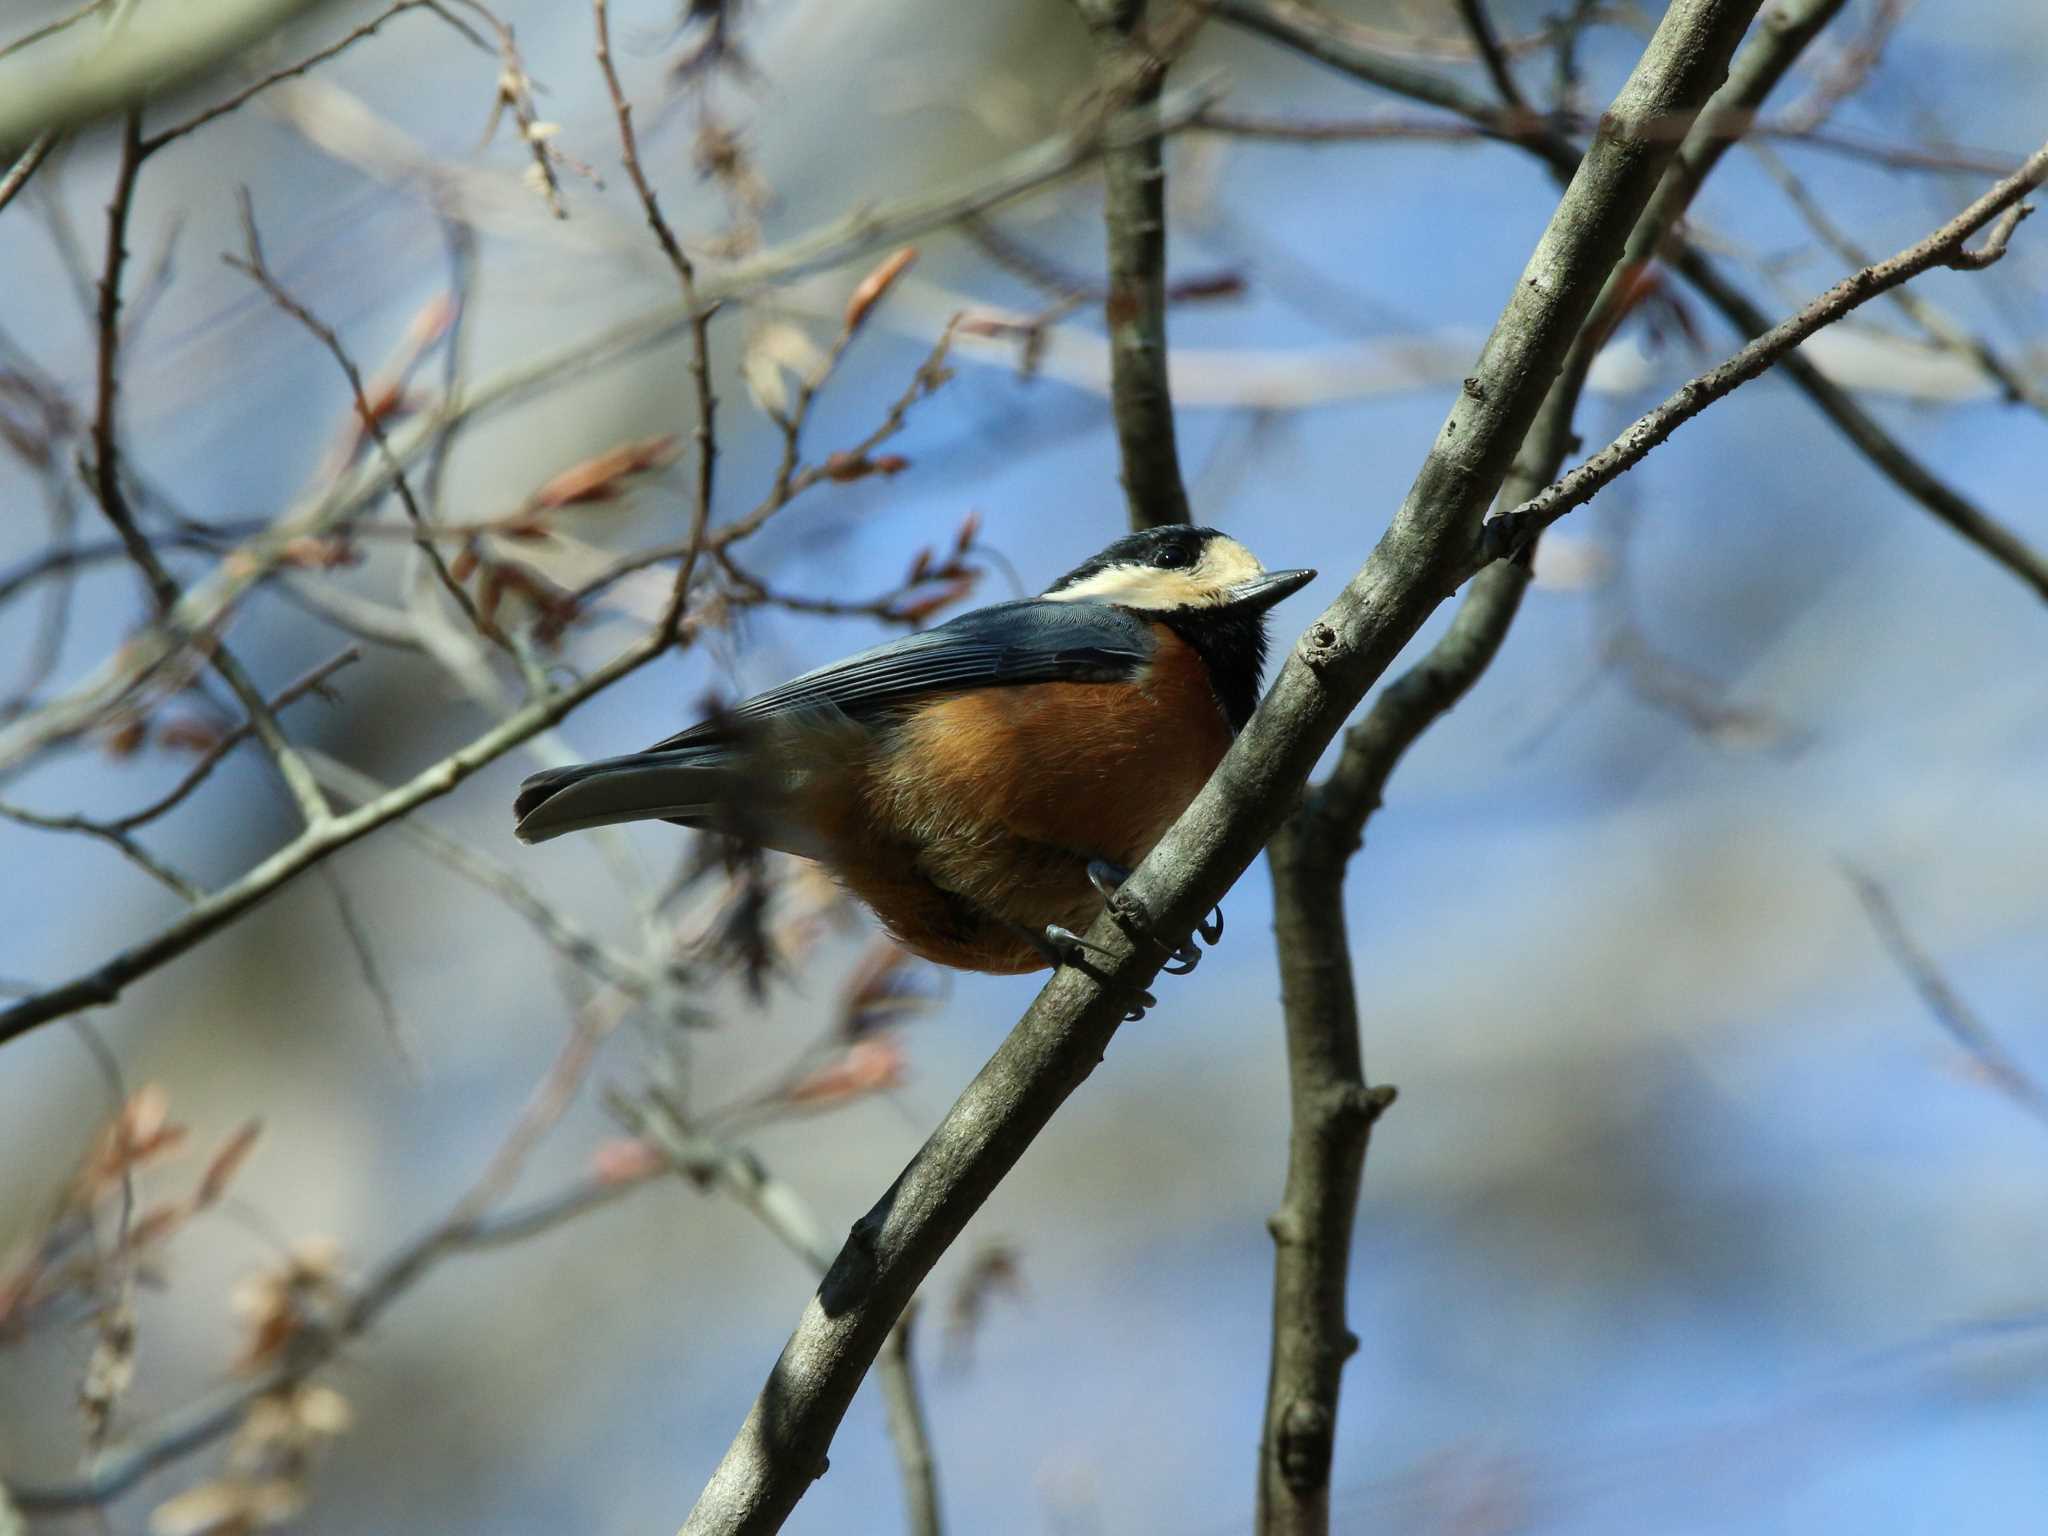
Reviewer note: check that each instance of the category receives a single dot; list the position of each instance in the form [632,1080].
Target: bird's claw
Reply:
[1063,946]
[1108,879]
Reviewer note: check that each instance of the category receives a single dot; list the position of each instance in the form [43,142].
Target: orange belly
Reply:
[978,817]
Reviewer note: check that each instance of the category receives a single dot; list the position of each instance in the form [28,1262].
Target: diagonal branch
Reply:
[1334,42]
[781,1447]
[1946,247]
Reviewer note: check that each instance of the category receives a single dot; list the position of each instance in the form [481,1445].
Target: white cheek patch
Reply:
[1225,563]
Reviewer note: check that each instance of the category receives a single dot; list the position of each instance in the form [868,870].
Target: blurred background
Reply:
[1692,1215]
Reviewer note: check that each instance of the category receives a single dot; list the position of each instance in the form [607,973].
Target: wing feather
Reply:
[1007,645]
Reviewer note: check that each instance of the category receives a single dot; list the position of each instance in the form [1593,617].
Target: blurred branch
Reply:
[155,141]
[26,164]
[108,832]
[1885,452]
[1946,247]
[1134,218]
[845,239]
[781,1447]
[713,1164]
[311,682]
[1955,1016]
[1488,126]
[105,982]
[1479,25]
[157,51]
[609,965]
[188,1430]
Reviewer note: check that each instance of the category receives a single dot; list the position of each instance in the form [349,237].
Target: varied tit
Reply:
[982,785]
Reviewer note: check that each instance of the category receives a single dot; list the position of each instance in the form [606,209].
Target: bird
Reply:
[982,786]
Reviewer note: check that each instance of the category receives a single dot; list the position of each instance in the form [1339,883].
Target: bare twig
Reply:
[841,240]
[1935,322]
[619,970]
[113,834]
[1487,125]
[163,136]
[1955,1016]
[1485,42]
[700,327]
[252,265]
[208,760]
[113,498]
[781,1447]
[2000,208]
[711,1163]
[51,28]
[190,1429]
[26,164]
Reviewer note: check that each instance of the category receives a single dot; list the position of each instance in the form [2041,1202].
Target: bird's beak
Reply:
[1263,591]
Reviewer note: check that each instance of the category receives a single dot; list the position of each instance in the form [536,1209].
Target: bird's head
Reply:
[1179,571]
[1205,586]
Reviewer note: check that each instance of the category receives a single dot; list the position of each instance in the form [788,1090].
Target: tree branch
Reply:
[1945,247]
[700,323]
[781,1447]
[842,240]
[1134,310]
[1329,41]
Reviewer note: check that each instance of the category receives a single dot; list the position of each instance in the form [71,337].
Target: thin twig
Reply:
[1946,247]
[252,266]
[187,1430]
[1486,43]
[841,240]
[210,759]
[1489,126]
[115,835]
[700,327]
[1955,1016]
[1935,322]
[610,965]
[105,472]
[1325,39]
[26,164]
[162,137]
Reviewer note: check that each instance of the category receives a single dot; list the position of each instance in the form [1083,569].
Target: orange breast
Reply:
[1102,769]
[976,818]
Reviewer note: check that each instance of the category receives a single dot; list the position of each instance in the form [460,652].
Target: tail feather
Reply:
[646,786]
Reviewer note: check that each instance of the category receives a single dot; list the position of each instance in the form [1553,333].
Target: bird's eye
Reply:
[1171,557]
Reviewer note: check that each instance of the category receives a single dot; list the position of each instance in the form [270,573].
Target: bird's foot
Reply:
[1063,946]
[1108,879]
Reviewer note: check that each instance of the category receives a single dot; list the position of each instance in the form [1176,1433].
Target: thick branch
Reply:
[782,1445]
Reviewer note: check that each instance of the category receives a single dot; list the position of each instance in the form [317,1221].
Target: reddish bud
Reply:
[873,288]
